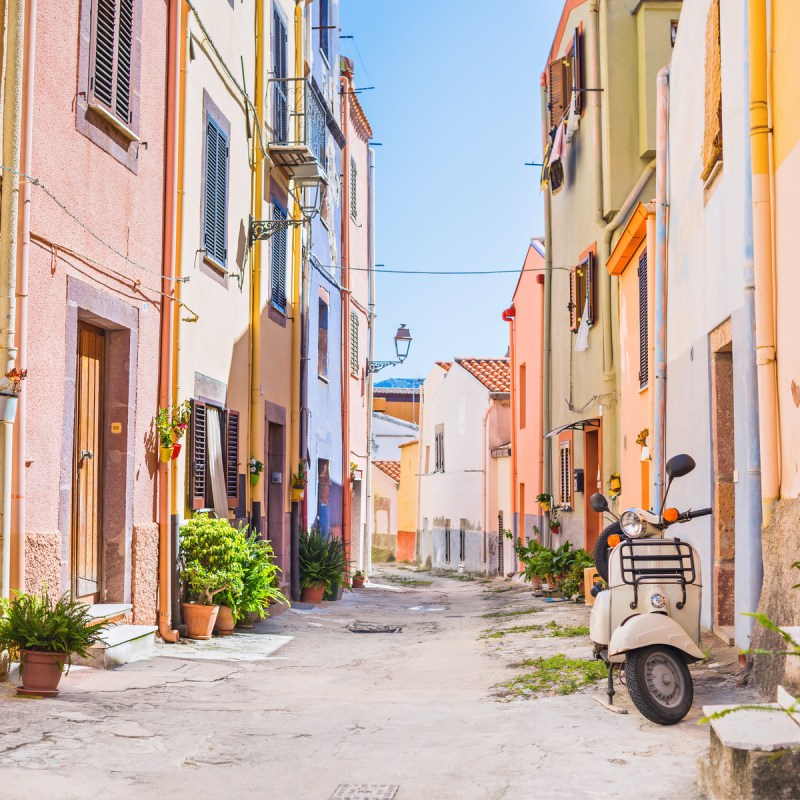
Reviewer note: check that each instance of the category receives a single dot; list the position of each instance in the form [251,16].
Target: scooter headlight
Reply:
[631,524]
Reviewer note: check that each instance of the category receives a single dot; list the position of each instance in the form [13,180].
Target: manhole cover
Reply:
[364,791]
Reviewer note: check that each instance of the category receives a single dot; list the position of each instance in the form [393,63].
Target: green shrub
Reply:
[321,560]
[212,555]
[260,578]
[36,622]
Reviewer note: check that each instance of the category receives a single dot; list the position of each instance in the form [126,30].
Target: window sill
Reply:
[215,265]
[120,126]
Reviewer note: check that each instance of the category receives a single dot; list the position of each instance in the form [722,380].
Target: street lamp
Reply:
[402,344]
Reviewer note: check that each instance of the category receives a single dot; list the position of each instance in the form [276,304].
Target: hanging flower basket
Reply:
[176,450]
[298,494]
[255,468]
[165,454]
[254,479]
[8,406]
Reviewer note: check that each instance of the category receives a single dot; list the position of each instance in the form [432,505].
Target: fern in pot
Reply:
[322,565]
[45,634]
[212,552]
[260,585]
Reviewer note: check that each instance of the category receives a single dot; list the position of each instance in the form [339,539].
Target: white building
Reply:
[465,466]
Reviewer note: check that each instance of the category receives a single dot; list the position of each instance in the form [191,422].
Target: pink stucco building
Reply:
[85,503]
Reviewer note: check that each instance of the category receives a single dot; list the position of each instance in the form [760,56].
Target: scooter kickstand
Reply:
[609,704]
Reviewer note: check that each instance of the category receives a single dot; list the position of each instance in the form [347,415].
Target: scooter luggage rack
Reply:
[674,566]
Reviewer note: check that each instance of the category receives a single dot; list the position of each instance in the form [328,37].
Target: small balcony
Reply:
[297,126]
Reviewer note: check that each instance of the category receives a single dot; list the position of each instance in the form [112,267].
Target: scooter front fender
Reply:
[643,630]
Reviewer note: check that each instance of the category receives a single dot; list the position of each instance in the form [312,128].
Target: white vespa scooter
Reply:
[648,619]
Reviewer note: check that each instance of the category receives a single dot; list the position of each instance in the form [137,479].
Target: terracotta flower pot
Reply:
[225,624]
[199,620]
[41,673]
[358,581]
[313,594]
[176,451]
[165,454]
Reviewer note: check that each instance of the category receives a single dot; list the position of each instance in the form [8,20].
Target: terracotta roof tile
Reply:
[445,365]
[493,373]
[391,468]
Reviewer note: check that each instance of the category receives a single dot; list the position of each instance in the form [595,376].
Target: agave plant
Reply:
[322,560]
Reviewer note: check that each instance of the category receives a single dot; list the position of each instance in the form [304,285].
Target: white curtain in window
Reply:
[216,464]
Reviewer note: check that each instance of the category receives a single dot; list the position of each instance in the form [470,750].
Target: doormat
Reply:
[371,627]
[364,791]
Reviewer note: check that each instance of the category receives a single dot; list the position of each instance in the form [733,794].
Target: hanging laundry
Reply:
[555,173]
[574,119]
[543,181]
[582,339]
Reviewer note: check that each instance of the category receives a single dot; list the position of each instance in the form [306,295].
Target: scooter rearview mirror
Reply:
[598,503]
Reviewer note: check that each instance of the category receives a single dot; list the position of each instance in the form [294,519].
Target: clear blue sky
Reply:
[457,109]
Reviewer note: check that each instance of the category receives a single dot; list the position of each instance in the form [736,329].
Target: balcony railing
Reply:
[298,124]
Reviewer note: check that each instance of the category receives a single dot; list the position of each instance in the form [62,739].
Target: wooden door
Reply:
[88,467]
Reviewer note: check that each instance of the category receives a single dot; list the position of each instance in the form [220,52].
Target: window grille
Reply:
[462,545]
[447,545]
[439,449]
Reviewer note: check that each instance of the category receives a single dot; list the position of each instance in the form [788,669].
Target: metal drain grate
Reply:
[364,791]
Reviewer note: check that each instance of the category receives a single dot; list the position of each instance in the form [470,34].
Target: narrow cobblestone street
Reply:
[420,709]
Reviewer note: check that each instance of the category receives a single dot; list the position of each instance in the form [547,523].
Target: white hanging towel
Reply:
[582,339]
[574,119]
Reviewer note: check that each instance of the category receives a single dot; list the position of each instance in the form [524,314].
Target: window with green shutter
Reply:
[278,266]
[353,187]
[215,196]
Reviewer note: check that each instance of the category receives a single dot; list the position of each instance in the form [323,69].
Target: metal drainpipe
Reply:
[12,116]
[660,366]
[748,591]
[19,517]
[365,558]
[346,85]
[547,339]
[763,257]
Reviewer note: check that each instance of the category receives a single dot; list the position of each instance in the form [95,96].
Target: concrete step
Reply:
[113,612]
[121,644]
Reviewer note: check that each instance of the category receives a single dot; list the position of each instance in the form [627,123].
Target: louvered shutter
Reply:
[577,68]
[232,457]
[354,361]
[280,94]
[216,193]
[589,278]
[279,260]
[124,61]
[353,185]
[197,463]
[557,104]
[574,313]
[644,354]
[112,57]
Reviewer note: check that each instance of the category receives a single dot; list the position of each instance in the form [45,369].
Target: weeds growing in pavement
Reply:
[519,613]
[550,676]
[404,581]
[553,629]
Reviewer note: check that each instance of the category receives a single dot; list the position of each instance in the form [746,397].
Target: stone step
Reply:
[121,644]
[113,612]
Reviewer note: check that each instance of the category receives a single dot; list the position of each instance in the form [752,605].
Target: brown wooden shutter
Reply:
[574,313]
[644,353]
[197,462]
[591,288]
[232,457]
[577,68]
[556,82]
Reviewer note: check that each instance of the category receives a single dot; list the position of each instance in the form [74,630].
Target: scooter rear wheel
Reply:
[659,683]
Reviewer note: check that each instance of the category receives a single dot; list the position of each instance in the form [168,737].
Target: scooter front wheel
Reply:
[659,683]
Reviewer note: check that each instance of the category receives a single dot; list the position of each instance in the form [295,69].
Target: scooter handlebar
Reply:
[700,512]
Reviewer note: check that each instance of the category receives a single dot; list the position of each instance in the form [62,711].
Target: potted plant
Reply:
[45,635]
[358,580]
[9,394]
[555,522]
[571,582]
[259,580]
[211,555]
[255,467]
[545,501]
[299,481]
[181,414]
[322,564]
